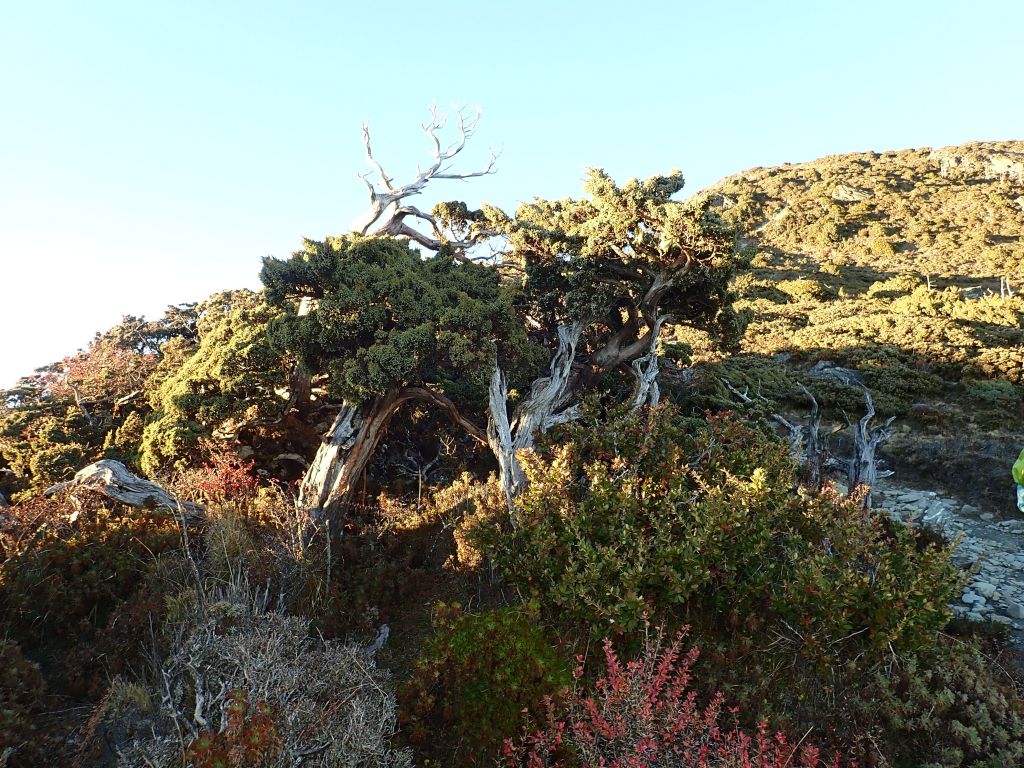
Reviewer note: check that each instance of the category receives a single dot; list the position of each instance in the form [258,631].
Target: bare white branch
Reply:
[543,409]
[386,215]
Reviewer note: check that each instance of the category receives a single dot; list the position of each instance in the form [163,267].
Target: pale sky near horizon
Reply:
[152,153]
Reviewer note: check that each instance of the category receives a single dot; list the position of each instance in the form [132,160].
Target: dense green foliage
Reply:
[949,710]
[899,271]
[87,406]
[227,376]
[952,211]
[88,565]
[477,678]
[652,517]
[623,257]
[800,601]
[382,316]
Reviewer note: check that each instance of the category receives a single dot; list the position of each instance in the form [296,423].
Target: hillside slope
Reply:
[956,211]
[905,267]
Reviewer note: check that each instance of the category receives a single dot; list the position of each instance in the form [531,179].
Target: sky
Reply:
[153,153]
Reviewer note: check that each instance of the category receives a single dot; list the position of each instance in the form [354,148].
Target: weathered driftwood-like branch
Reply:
[805,443]
[388,214]
[80,401]
[863,467]
[645,369]
[544,408]
[815,448]
[114,480]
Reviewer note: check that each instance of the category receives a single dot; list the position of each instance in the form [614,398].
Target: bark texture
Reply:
[114,480]
[863,467]
[330,482]
[546,406]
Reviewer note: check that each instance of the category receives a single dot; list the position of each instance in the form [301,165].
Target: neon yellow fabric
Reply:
[1018,469]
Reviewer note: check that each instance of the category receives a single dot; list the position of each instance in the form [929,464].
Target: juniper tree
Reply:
[387,325]
[603,276]
[224,380]
[570,291]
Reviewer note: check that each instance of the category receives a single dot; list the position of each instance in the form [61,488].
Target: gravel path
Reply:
[991,549]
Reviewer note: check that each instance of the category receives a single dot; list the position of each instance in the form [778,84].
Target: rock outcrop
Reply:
[976,161]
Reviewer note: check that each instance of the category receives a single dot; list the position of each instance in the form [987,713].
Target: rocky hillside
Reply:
[906,269]
[954,212]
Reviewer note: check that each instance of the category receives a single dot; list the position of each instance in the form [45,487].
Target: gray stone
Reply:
[969,598]
[1015,611]
[844,193]
[984,589]
[987,516]
[827,369]
[910,498]
[975,616]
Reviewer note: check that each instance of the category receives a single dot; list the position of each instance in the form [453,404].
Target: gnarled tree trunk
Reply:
[645,370]
[349,444]
[342,457]
[325,472]
[545,407]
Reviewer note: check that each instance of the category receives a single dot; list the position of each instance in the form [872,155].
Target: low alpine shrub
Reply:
[947,710]
[656,515]
[644,714]
[250,739]
[83,558]
[21,703]
[474,682]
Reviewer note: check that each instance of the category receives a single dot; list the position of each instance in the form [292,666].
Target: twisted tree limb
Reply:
[387,215]
[115,481]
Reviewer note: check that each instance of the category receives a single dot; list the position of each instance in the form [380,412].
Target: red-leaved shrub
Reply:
[643,714]
[226,476]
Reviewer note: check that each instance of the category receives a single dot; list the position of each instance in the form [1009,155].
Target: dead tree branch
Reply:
[388,215]
[863,466]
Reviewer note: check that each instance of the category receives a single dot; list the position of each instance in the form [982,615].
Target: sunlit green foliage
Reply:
[901,267]
[657,517]
[626,254]
[228,375]
[907,211]
[919,297]
[89,405]
[382,316]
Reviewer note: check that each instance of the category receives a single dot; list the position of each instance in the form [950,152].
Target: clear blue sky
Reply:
[153,152]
